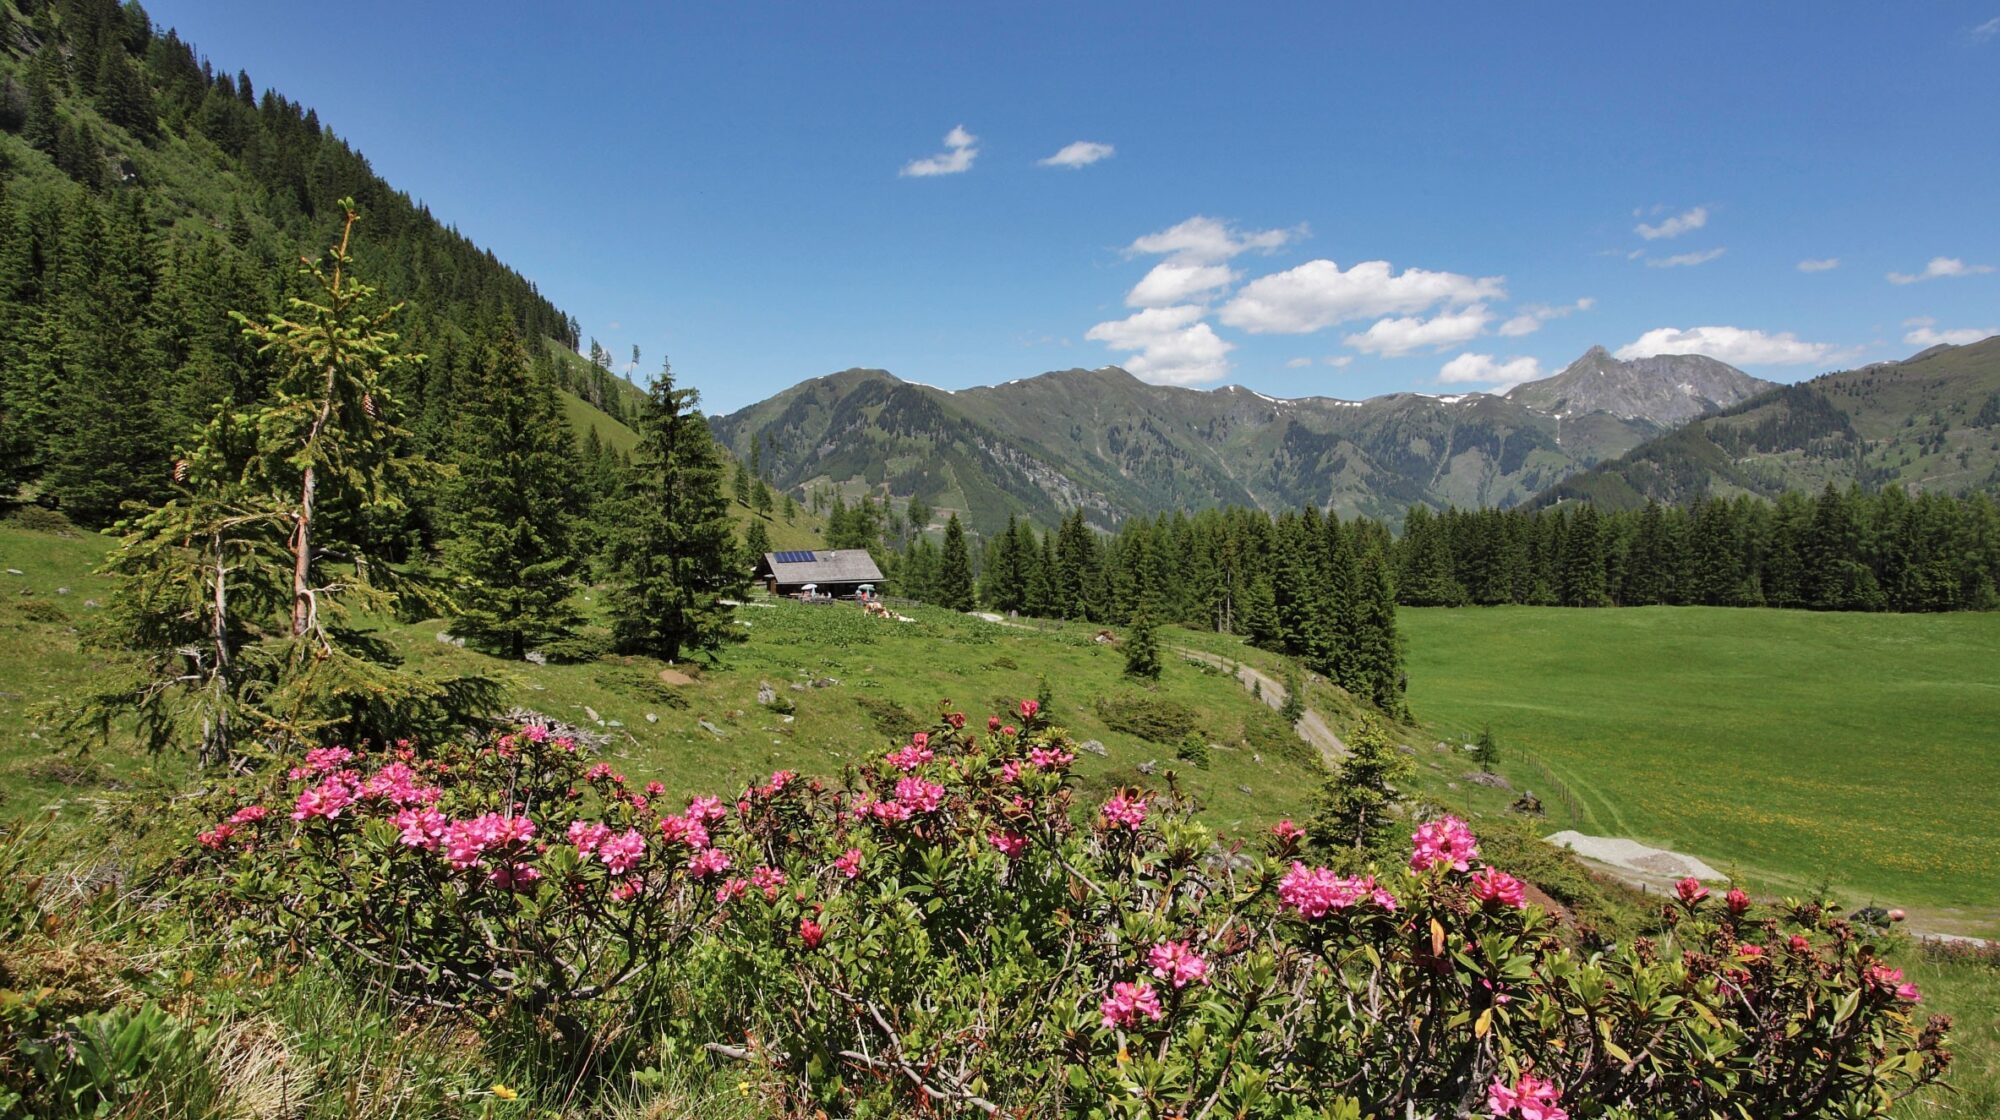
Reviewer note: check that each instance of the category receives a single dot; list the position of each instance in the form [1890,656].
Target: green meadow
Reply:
[845,687]
[1785,747]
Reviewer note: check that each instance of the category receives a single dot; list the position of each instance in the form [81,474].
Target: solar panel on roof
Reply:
[795,557]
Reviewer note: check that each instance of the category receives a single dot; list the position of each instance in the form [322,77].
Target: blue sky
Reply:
[1305,199]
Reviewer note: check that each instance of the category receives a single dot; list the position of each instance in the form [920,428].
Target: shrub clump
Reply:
[947,930]
[1155,719]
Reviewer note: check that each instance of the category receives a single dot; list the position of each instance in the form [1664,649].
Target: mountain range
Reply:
[1114,446]
[1930,422]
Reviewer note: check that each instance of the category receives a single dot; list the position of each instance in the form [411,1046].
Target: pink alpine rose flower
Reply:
[1009,844]
[708,861]
[849,863]
[1446,840]
[623,852]
[1125,811]
[1492,885]
[1691,891]
[920,795]
[1529,1097]
[1177,964]
[1128,1001]
[1287,832]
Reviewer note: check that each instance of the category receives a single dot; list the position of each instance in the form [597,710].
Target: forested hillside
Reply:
[1931,422]
[1840,550]
[145,195]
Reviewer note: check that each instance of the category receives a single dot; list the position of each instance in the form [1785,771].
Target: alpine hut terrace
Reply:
[835,572]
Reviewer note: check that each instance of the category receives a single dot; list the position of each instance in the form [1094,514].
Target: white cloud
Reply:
[1082,153]
[1173,345]
[1202,240]
[1985,30]
[1339,361]
[1819,264]
[1318,294]
[1172,282]
[961,147]
[1533,315]
[1685,260]
[1298,363]
[1485,369]
[1924,333]
[1392,338]
[1940,268]
[1675,226]
[1734,345]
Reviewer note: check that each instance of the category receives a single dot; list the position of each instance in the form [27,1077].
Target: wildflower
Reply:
[707,810]
[249,814]
[1045,758]
[627,888]
[1125,810]
[768,880]
[919,794]
[513,876]
[957,721]
[731,890]
[992,723]
[1128,1001]
[655,789]
[1530,1098]
[466,841]
[1313,891]
[1882,978]
[1691,891]
[536,733]
[421,828]
[321,760]
[1176,963]
[811,932]
[889,812]
[910,757]
[327,799]
[586,836]
[623,852]
[1798,944]
[215,839]
[1738,901]
[1029,708]
[1494,885]
[1287,832]
[1010,844]
[503,1092]
[1447,841]
[849,863]
[1010,771]
[684,830]
[709,861]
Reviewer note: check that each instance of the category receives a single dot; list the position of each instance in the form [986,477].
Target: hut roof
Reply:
[828,565]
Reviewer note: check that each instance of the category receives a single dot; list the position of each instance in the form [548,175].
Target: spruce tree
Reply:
[511,554]
[674,556]
[1354,820]
[1142,646]
[1486,749]
[240,591]
[953,586]
[756,542]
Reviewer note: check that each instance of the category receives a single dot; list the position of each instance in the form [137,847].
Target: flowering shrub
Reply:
[948,930]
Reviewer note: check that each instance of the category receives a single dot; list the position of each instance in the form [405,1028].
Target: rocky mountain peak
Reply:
[1667,389]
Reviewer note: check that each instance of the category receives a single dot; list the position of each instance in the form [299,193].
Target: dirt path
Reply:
[1312,727]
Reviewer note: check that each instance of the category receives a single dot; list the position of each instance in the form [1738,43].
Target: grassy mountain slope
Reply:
[1931,421]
